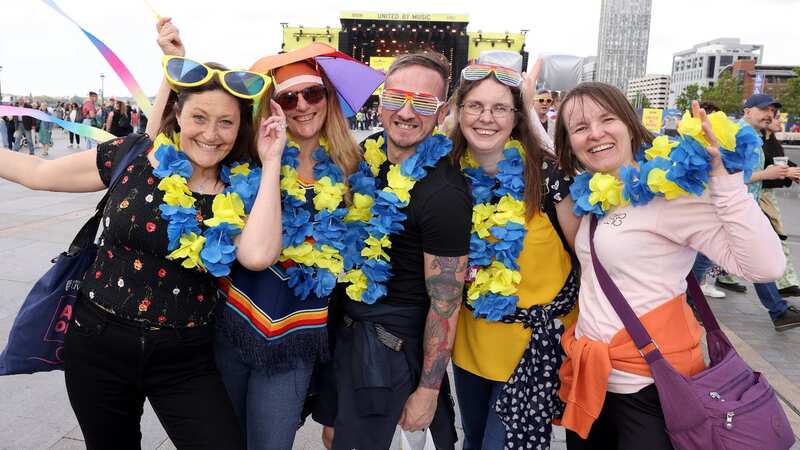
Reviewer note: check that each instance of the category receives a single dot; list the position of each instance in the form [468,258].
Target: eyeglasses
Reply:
[422,103]
[312,95]
[185,72]
[475,72]
[544,100]
[498,111]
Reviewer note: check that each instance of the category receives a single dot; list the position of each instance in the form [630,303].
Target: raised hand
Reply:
[169,38]
[272,134]
[717,168]
[529,81]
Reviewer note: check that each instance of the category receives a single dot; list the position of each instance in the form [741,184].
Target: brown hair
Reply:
[243,147]
[430,60]
[609,98]
[345,151]
[533,153]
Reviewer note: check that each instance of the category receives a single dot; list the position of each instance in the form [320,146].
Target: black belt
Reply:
[384,336]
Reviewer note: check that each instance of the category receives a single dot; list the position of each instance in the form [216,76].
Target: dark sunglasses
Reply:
[312,95]
[544,101]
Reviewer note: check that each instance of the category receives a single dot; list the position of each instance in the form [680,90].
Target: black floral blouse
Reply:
[131,276]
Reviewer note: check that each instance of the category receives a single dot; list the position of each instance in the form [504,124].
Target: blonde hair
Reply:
[344,149]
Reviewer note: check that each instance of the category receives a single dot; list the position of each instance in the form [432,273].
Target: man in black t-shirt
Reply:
[391,356]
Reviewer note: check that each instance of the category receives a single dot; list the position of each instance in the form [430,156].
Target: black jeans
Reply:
[111,365]
[627,422]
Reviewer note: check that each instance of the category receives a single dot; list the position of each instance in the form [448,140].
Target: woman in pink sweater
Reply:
[647,249]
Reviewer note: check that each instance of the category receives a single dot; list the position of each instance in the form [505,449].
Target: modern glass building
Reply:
[623,40]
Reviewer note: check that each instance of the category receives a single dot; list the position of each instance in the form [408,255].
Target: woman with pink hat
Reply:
[273,330]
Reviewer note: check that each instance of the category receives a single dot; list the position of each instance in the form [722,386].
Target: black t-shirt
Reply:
[438,221]
[131,276]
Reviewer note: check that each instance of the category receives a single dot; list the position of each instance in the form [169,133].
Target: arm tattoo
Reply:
[444,279]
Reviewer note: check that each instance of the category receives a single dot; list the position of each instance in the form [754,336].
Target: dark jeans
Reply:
[355,429]
[476,398]
[627,422]
[75,137]
[111,365]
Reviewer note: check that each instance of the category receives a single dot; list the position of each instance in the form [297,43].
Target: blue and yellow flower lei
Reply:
[315,244]
[669,168]
[211,250]
[498,233]
[375,213]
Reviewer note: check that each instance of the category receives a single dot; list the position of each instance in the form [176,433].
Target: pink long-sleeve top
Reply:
[648,251]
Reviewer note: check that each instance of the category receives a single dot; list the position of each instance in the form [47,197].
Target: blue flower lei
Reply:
[668,168]
[313,246]
[498,233]
[376,214]
[211,250]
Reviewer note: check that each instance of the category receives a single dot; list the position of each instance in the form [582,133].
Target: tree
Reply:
[790,99]
[727,94]
[640,101]
[684,101]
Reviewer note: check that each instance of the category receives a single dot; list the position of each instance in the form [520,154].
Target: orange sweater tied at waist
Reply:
[584,373]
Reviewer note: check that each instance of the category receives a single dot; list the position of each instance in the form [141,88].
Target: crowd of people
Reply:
[115,116]
[258,265]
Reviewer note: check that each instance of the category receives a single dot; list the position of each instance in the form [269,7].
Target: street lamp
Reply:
[102,79]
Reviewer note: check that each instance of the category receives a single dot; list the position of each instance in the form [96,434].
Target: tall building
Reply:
[589,66]
[703,63]
[654,87]
[622,44]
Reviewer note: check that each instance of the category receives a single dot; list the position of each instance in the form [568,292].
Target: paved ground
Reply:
[35,413]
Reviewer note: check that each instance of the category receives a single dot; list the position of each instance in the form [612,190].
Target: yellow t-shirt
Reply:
[492,350]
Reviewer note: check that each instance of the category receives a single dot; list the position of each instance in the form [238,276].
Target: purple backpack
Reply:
[727,406]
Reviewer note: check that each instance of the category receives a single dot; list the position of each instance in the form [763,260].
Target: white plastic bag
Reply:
[407,438]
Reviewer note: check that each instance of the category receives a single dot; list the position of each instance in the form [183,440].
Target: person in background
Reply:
[759,111]
[75,115]
[774,154]
[24,129]
[45,132]
[88,116]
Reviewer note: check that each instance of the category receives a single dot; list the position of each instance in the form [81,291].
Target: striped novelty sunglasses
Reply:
[422,103]
[475,72]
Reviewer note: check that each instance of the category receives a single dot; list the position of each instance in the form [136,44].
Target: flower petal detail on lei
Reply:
[227,208]
[724,129]
[189,250]
[691,164]
[180,221]
[661,146]
[176,191]
[744,158]
[692,127]
[219,252]
[606,190]
[580,192]
[374,155]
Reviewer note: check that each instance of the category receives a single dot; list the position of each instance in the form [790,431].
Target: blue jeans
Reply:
[21,131]
[3,133]
[268,405]
[89,142]
[476,398]
[771,299]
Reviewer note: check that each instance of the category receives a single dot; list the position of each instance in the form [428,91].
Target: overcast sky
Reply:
[42,53]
